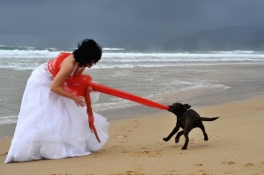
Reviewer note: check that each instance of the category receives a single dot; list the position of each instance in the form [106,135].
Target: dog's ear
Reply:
[186,106]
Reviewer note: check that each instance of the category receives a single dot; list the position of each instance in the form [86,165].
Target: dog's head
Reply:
[178,108]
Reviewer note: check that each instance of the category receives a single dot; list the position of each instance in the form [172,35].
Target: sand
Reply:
[135,147]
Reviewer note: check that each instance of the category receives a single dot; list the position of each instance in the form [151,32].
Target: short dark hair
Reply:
[87,52]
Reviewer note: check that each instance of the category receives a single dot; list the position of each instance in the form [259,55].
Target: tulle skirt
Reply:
[50,126]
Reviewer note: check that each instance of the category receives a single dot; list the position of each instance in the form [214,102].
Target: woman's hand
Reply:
[79,100]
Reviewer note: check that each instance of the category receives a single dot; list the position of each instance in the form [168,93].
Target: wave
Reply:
[7,120]
[26,48]
[30,60]
[24,58]
[113,49]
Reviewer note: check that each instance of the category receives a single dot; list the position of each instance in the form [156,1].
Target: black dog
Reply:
[187,119]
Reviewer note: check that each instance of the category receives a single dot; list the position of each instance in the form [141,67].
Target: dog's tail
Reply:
[209,119]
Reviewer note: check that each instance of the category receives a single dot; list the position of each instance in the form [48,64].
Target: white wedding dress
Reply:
[50,126]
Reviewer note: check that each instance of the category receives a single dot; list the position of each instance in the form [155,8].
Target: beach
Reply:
[225,86]
[135,147]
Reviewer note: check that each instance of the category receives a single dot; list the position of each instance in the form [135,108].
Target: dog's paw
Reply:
[166,139]
[184,148]
[206,139]
[177,140]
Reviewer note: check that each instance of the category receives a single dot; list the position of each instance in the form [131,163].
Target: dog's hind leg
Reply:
[174,131]
[186,135]
[179,134]
[204,133]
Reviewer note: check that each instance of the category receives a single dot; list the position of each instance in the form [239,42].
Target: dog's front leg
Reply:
[174,131]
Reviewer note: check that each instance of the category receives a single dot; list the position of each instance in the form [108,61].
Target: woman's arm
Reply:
[66,69]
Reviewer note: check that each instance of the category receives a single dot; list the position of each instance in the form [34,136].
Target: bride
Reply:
[52,123]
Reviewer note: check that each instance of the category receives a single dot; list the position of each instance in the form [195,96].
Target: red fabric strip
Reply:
[85,81]
[90,114]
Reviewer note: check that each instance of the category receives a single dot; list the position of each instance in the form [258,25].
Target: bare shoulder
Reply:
[66,69]
[69,63]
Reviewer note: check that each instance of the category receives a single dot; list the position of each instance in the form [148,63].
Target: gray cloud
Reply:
[118,23]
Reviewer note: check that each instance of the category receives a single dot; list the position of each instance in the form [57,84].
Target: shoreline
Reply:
[234,146]
[196,85]
[128,113]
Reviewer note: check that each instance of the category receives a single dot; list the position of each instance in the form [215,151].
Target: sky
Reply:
[129,24]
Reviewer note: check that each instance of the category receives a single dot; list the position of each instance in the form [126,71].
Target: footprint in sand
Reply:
[202,172]
[148,153]
[131,173]
[127,151]
[135,123]
[228,163]
[144,148]
[197,164]
[249,165]
[3,154]
[229,172]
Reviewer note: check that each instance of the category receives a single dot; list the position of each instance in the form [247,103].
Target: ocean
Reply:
[164,77]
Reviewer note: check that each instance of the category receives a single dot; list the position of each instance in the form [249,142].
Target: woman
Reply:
[52,123]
